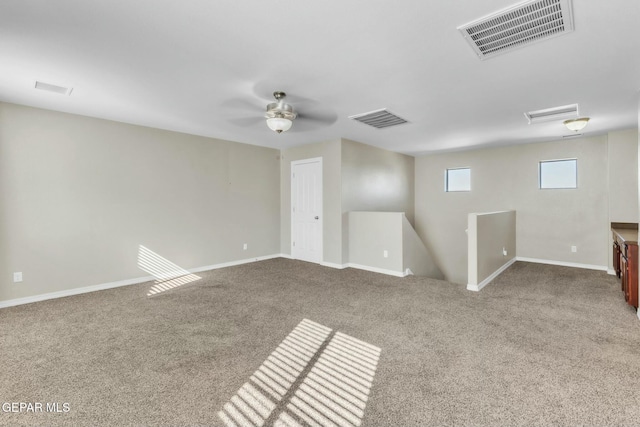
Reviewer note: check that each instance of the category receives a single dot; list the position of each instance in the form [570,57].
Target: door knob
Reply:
[316,217]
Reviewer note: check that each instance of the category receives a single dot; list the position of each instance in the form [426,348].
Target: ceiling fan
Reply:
[280,115]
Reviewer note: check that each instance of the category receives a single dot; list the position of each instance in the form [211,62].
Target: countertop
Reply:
[627,232]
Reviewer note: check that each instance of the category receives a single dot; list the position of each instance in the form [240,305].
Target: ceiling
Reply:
[209,67]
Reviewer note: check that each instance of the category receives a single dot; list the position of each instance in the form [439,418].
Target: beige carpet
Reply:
[293,343]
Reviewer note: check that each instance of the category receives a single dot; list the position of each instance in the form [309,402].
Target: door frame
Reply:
[291,200]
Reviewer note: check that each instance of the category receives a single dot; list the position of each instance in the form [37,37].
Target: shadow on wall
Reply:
[167,274]
[386,242]
[314,377]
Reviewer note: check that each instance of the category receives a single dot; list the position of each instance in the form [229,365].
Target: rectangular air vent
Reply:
[53,88]
[551,114]
[518,26]
[379,119]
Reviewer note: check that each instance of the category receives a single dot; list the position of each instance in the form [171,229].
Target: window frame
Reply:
[446,180]
[572,159]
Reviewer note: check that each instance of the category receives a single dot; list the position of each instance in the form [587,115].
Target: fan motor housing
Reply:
[280,108]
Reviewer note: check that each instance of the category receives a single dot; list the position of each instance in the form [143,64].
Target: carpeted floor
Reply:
[540,345]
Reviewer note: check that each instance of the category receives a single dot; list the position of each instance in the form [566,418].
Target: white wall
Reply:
[78,196]
[506,178]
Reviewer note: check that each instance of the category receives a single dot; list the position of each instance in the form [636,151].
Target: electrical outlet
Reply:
[574,249]
[385,253]
[17,277]
[244,247]
[504,251]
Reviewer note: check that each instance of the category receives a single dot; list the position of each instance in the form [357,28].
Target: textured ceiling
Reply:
[209,68]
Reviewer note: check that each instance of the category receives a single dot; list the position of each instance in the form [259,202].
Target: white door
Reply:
[306,210]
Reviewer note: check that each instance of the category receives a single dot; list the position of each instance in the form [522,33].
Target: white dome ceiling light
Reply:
[576,124]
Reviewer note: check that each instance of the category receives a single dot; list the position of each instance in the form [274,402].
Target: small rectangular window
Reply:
[458,179]
[558,174]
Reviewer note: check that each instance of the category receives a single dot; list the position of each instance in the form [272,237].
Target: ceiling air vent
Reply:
[379,119]
[518,26]
[551,114]
[53,88]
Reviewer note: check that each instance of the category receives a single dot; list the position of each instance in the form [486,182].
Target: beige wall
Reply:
[489,235]
[506,178]
[415,255]
[372,233]
[330,151]
[623,178]
[356,177]
[79,195]
[374,180]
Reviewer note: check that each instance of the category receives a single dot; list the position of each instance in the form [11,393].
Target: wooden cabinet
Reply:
[623,276]
[625,261]
[630,287]
[616,257]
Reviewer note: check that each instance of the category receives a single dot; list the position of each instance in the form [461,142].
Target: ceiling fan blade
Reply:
[320,119]
[242,104]
[246,121]
[299,100]
[311,114]
[309,122]
[304,123]
[264,90]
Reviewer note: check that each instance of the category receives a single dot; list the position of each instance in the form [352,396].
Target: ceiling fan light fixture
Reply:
[280,115]
[279,124]
[576,125]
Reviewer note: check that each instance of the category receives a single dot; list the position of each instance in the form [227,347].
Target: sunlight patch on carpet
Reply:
[315,377]
[167,274]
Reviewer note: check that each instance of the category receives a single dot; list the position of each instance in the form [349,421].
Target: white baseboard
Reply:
[611,272]
[377,270]
[334,265]
[232,263]
[485,282]
[119,283]
[358,266]
[74,291]
[323,263]
[564,264]
[638,314]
